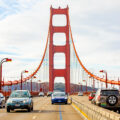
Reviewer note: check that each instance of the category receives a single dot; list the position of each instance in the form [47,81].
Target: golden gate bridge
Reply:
[74,73]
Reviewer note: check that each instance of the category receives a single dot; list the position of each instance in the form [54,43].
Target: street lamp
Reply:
[31,82]
[25,71]
[93,83]
[86,84]
[1,62]
[103,71]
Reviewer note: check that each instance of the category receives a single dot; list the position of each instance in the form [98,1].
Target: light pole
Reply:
[102,82]
[31,82]
[93,83]
[86,84]
[111,83]
[24,71]
[3,83]
[103,71]
[98,84]
[1,62]
[39,81]
[119,83]
[81,86]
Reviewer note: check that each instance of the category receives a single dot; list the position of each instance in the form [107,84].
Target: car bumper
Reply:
[111,108]
[59,100]
[19,106]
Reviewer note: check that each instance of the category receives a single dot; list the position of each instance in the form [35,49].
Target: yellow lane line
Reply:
[77,108]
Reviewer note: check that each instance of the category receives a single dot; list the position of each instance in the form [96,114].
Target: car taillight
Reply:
[99,97]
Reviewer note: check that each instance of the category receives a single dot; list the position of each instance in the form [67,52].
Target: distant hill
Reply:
[57,87]
[61,87]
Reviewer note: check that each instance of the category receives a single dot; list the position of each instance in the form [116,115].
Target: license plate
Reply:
[103,104]
[17,105]
[59,100]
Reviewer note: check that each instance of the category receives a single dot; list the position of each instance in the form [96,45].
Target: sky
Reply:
[95,28]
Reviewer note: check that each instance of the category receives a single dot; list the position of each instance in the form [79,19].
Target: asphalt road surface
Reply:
[43,110]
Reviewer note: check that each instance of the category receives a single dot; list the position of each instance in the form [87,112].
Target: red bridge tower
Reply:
[59,49]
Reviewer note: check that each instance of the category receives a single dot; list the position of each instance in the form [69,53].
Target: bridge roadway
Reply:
[43,110]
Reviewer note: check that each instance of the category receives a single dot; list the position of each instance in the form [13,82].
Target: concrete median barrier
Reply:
[92,112]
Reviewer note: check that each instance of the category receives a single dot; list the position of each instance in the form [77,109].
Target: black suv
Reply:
[108,98]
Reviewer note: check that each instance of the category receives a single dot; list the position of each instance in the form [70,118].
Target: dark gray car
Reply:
[19,99]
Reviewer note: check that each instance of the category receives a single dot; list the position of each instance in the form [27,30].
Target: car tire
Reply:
[52,103]
[29,109]
[32,108]
[115,110]
[99,104]
[112,100]
[65,102]
[8,109]
[119,110]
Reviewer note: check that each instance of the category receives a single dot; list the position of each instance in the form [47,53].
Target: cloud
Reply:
[95,26]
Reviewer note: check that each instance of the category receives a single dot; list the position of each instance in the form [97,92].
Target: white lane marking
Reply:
[34,117]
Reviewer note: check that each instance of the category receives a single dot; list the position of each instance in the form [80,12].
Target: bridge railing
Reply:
[92,112]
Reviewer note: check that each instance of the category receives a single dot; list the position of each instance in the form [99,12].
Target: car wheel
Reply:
[65,102]
[52,103]
[99,104]
[115,110]
[112,100]
[29,109]
[8,109]
[32,108]
[119,111]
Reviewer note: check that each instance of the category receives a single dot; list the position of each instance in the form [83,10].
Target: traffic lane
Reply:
[39,104]
[43,110]
[59,112]
[69,113]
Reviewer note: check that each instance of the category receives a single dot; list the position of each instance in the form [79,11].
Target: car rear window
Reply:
[109,92]
[59,94]
[19,94]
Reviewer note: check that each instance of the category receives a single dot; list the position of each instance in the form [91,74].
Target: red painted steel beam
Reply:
[59,29]
[59,49]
